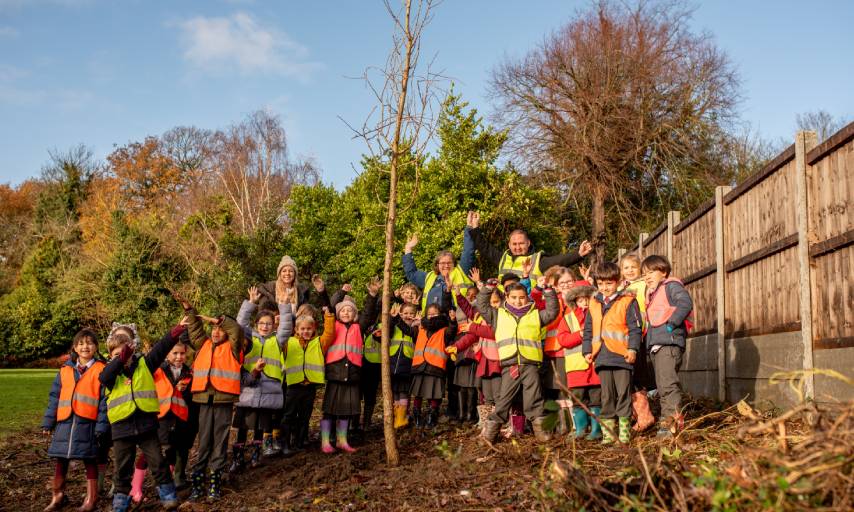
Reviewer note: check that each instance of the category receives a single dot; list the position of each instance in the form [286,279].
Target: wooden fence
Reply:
[771,256]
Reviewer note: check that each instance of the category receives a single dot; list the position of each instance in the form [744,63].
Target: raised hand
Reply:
[325,310]
[347,288]
[181,300]
[585,248]
[474,274]
[254,295]
[473,219]
[319,284]
[410,244]
[527,265]
[395,309]
[374,286]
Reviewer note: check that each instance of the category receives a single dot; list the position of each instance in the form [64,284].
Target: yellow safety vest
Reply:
[510,264]
[371,351]
[304,364]
[269,351]
[519,337]
[457,277]
[126,397]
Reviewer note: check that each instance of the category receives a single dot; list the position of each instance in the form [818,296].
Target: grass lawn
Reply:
[23,398]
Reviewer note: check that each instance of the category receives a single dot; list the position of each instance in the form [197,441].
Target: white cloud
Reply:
[239,41]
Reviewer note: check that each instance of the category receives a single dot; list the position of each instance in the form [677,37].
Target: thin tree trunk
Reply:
[392,456]
[598,218]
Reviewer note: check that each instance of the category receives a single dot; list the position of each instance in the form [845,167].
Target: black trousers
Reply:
[532,397]
[124,450]
[214,427]
[616,392]
[299,404]
[591,396]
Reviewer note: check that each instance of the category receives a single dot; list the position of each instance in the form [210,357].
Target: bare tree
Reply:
[821,122]
[623,109]
[401,124]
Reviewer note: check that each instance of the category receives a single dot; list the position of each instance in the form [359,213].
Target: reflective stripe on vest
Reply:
[573,359]
[457,277]
[304,364]
[371,349]
[612,329]
[348,343]
[267,350]
[128,395]
[510,264]
[399,340]
[430,350]
[218,366]
[168,397]
[658,307]
[519,337]
[551,343]
[82,396]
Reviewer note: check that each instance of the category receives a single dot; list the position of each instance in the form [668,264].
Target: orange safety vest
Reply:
[169,397]
[658,307]
[348,343]
[431,350]
[217,365]
[552,345]
[82,396]
[612,329]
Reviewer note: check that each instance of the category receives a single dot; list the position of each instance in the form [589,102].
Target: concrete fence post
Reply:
[804,141]
[720,288]
[673,218]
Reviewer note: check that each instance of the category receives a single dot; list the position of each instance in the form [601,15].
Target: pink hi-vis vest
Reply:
[658,307]
[348,342]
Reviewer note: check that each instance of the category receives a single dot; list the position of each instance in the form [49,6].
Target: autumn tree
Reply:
[624,109]
[821,122]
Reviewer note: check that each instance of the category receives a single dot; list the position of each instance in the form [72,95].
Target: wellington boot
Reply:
[581,420]
[609,430]
[136,484]
[91,500]
[640,405]
[539,432]
[595,427]
[490,432]
[400,419]
[59,498]
[625,434]
[238,462]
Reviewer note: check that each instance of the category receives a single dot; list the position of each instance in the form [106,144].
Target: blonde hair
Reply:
[411,286]
[116,340]
[305,319]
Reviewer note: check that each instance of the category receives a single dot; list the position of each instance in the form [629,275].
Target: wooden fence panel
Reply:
[830,186]
[705,305]
[657,242]
[694,244]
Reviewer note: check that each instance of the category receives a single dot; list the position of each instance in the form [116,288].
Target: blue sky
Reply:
[106,73]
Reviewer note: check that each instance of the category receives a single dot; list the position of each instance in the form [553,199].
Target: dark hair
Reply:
[409,305]
[498,294]
[656,262]
[519,232]
[512,287]
[81,335]
[509,276]
[265,312]
[433,306]
[606,271]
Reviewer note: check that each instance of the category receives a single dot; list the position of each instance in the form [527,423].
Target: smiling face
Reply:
[630,269]
[86,349]
[517,298]
[178,355]
[347,314]
[305,330]
[607,287]
[445,264]
[287,275]
[653,278]
[519,244]
[265,325]
[218,335]
[409,295]
[408,314]
[582,302]
[565,282]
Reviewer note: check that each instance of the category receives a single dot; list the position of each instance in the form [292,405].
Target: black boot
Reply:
[215,486]
[416,417]
[255,456]
[238,463]
[367,416]
[301,437]
[472,406]
[432,418]
[197,480]
[285,434]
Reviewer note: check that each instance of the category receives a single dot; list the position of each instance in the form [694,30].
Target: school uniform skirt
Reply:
[342,399]
[428,387]
[465,375]
[400,384]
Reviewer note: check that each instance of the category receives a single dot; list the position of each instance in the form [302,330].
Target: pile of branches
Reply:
[731,459]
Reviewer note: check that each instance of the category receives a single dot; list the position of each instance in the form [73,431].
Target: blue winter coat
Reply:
[73,438]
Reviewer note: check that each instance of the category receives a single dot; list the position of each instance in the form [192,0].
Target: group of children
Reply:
[497,349]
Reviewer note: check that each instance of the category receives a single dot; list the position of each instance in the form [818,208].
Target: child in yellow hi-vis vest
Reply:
[132,408]
[612,338]
[643,379]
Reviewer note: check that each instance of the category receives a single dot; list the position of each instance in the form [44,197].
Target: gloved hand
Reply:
[176,331]
[126,353]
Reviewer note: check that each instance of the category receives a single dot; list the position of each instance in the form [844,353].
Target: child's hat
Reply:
[583,290]
[287,261]
[346,302]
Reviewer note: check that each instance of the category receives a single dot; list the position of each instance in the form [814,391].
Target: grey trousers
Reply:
[532,395]
[491,388]
[616,392]
[214,427]
[591,396]
[666,362]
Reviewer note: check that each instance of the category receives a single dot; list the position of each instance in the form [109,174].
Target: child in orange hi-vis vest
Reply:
[77,415]
[215,387]
[612,338]
[342,397]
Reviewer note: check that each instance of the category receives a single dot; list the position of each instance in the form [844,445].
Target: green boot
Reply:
[609,427]
[625,430]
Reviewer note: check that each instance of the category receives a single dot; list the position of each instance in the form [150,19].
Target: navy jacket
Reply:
[73,438]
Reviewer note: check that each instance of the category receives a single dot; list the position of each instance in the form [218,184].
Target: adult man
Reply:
[519,249]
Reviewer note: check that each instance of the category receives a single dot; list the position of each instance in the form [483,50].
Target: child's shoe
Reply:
[136,484]
[341,434]
[625,430]
[610,428]
[237,460]
[539,432]
[168,496]
[277,440]
[325,435]
[595,427]
[581,421]
[90,502]
[121,502]
[215,486]
[197,491]
[268,449]
[432,418]
[518,423]
[400,419]
[255,457]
